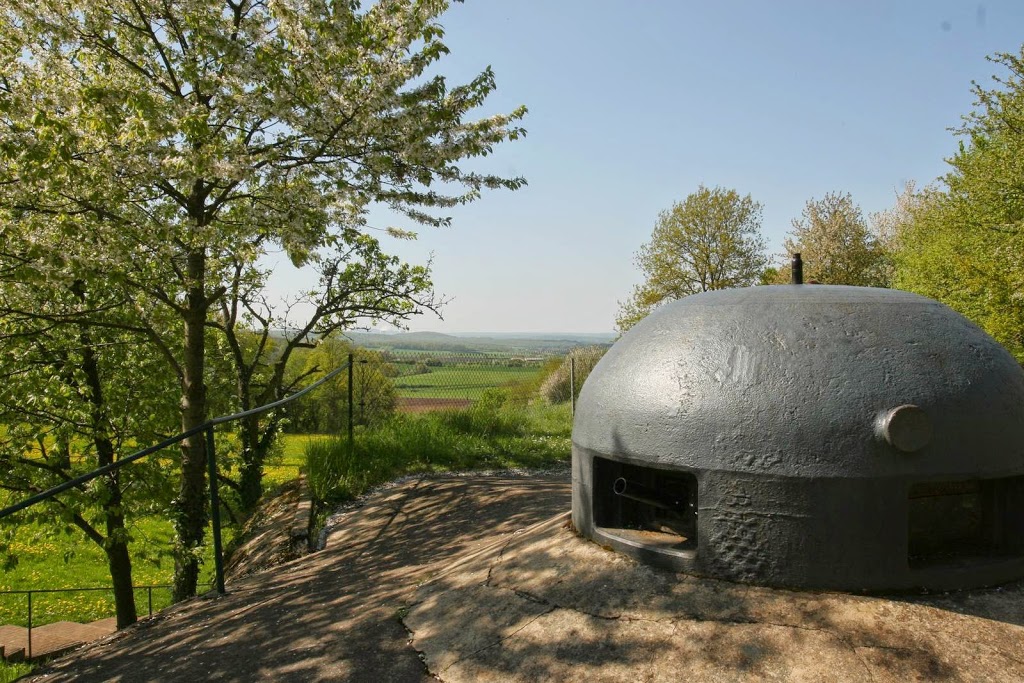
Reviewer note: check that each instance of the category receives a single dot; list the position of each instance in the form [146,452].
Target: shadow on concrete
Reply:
[493,585]
[556,607]
[550,605]
[1002,603]
[332,615]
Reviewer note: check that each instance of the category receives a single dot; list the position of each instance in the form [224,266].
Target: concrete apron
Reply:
[549,605]
[467,571]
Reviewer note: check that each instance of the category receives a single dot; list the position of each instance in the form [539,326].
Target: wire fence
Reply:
[384,382]
[206,429]
[371,388]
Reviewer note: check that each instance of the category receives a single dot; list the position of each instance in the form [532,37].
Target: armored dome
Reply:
[807,435]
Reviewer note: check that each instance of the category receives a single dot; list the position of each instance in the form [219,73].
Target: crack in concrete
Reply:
[487,584]
[497,560]
[863,662]
[500,640]
[528,596]
[411,637]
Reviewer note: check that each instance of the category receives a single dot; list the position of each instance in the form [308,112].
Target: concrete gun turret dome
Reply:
[808,436]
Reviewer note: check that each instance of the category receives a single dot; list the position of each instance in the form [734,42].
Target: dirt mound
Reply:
[267,537]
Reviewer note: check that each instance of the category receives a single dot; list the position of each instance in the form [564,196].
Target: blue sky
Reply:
[633,105]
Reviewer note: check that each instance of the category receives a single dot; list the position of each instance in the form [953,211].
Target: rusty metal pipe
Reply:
[648,495]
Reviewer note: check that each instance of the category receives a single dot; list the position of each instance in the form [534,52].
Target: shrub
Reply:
[492,434]
[327,461]
[326,410]
[492,415]
[556,386]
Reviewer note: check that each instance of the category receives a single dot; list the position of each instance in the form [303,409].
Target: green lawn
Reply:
[71,561]
[284,465]
[12,672]
[461,381]
[488,435]
[47,561]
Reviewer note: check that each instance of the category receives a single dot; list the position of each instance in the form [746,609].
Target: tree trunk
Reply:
[250,478]
[190,508]
[250,475]
[256,444]
[116,543]
[119,561]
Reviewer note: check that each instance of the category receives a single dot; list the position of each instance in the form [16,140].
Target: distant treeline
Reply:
[433,347]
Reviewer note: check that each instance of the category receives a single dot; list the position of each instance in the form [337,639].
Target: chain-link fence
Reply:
[385,382]
[424,383]
[564,382]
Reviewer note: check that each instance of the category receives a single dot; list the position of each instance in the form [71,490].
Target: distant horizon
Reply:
[473,333]
[478,333]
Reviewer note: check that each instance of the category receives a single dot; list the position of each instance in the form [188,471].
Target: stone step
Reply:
[51,639]
[13,641]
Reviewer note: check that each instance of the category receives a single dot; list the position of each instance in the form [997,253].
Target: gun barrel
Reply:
[649,495]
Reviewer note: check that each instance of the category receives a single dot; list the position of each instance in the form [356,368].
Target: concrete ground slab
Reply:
[554,606]
[332,615]
[480,579]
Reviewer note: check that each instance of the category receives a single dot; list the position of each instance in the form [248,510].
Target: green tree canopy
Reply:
[64,411]
[358,282]
[836,244]
[965,243]
[373,391]
[710,240]
[156,145]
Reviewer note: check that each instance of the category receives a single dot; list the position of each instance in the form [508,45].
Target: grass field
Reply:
[490,435]
[284,465]
[47,561]
[461,381]
[12,672]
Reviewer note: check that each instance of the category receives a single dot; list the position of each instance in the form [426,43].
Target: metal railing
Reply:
[211,462]
[43,591]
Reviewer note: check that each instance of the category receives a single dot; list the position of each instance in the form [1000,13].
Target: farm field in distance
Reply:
[462,381]
[496,346]
[437,371]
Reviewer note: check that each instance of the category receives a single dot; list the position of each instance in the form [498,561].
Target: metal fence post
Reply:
[572,385]
[362,395]
[351,432]
[218,551]
[29,649]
